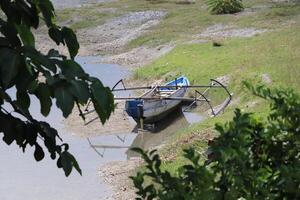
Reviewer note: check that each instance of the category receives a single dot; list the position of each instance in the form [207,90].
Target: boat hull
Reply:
[152,110]
[157,109]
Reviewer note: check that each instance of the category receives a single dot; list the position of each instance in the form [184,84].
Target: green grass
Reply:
[260,110]
[182,20]
[86,16]
[276,53]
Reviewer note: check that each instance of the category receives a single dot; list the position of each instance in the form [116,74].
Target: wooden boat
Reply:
[158,101]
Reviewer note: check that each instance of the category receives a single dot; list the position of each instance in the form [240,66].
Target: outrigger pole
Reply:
[159,86]
[202,94]
[163,86]
[161,98]
[167,86]
[214,84]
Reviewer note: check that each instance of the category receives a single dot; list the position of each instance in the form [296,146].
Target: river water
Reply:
[24,178]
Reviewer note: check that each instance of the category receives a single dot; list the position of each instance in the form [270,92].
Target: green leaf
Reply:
[56,35]
[47,10]
[80,90]
[43,94]
[4,42]
[64,100]
[7,128]
[23,100]
[138,150]
[102,100]
[38,153]
[71,69]
[38,58]
[49,131]
[66,163]
[29,67]
[29,13]
[71,41]
[26,35]
[74,163]
[33,86]
[25,77]
[52,53]
[10,33]
[9,66]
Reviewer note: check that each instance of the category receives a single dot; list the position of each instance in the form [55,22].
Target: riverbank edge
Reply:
[197,130]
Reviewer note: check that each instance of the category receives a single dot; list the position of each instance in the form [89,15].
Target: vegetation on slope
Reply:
[252,158]
[182,20]
[274,54]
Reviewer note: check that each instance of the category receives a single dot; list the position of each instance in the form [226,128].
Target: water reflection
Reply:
[152,136]
[163,130]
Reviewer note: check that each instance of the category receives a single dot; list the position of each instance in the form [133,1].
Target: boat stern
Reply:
[134,108]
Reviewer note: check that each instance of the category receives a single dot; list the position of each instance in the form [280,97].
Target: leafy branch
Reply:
[250,159]
[46,76]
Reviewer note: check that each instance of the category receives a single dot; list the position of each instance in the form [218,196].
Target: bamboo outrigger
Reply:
[159,100]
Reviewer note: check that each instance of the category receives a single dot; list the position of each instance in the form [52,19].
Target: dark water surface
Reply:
[21,177]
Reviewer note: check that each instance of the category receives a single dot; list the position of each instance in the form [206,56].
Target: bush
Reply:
[251,158]
[225,6]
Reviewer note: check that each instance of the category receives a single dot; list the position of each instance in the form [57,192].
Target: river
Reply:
[24,178]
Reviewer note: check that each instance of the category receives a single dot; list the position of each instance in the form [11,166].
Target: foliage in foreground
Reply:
[250,159]
[47,77]
[224,6]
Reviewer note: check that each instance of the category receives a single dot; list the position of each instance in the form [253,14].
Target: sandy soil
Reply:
[119,122]
[116,174]
[225,31]
[138,57]
[110,38]
[59,4]
[116,33]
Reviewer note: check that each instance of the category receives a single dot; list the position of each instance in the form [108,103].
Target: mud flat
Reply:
[116,174]
[118,123]
[59,4]
[109,39]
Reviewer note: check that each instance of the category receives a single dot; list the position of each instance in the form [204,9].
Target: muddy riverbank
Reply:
[59,4]
[110,39]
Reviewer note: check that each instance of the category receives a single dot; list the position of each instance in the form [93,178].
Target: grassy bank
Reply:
[275,54]
[182,21]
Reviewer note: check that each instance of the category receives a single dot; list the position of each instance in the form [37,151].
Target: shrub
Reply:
[225,6]
[250,159]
